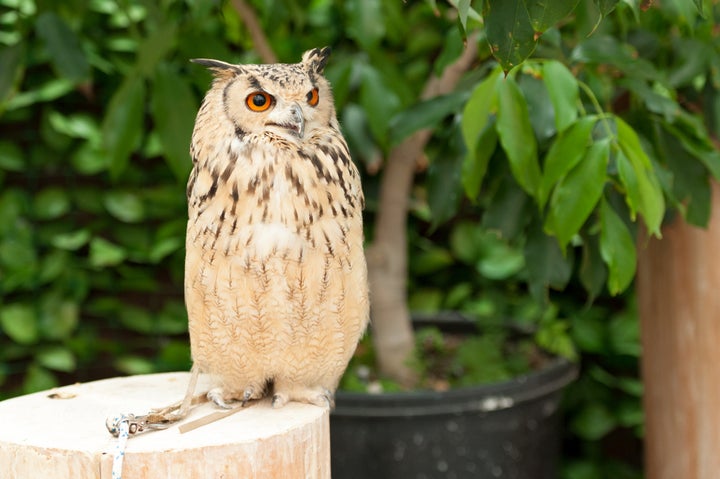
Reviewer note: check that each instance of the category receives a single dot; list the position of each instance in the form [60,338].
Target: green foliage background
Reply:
[534,186]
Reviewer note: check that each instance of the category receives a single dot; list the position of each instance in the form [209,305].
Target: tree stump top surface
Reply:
[70,422]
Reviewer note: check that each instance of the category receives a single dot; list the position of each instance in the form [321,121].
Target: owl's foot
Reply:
[217,396]
[220,399]
[318,396]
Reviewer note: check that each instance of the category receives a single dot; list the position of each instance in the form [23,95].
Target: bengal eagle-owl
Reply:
[275,276]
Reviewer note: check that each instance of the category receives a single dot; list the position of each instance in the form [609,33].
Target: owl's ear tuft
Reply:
[316,59]
[217,66]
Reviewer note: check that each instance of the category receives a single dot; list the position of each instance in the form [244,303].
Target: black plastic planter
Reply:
[504,430]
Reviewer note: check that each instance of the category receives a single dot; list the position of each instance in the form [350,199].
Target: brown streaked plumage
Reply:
[275,275]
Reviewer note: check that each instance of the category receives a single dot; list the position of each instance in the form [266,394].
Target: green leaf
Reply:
[123,123]
[59,317]
[18,253]
[19,322]
[125,206]
[699,6]
[517,137]
[64,47]
[553,337]
[605,6]
[479,108]
[71,241]
[630,413]
[89,159]
[566,151]
[443,185]
[541,111]
[365,22]
[545,14]
[137,319]
[379,102]
[174,109]
[11,157]
[509,211]
[10,67]
[624,334]
[590,333]
[655,102]
[576,196]
[509,31]
[51,203]
[547,266]
[52,266]
[76,126]
[425,114]
[463,6]
[58,358]
[593,273]
[454,45]
[425,300]
[104,253]
[606,49]
[694,138]
[359,138]
[172,319]
[499,260]
[642,188]
[564,93]
[593,422]
[133,365]
[694,59]
[690,179]
[476,163]
[617,248]
[155,47]
[38,378]
[48,91]
[465,239]
[164,247]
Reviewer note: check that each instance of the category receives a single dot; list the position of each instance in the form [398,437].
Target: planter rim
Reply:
[482,398]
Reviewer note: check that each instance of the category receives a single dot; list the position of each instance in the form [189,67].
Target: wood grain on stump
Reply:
[61,434]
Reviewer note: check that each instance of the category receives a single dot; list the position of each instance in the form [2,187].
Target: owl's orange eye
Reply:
[258,101]
[313,97]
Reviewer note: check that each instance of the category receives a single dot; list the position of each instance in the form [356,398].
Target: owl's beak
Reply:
[289,119]
[298,119]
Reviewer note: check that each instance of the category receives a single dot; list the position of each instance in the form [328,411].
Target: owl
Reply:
[275,274]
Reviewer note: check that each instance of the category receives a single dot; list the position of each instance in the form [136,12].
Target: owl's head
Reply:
[288,100]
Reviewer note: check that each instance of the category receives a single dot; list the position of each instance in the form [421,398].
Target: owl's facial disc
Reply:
[291,119]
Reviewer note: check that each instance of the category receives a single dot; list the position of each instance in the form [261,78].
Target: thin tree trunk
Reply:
[260,41]
[387,256]
[678,287]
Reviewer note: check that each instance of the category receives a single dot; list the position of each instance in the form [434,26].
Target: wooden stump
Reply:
[678,287]
[61,434]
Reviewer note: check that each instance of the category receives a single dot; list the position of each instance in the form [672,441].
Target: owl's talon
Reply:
[216,396]
[247,395]
[326,399]
[279,400]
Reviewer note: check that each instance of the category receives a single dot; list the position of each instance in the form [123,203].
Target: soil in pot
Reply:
[509,429]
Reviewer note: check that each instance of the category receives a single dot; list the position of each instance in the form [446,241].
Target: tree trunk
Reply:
[678,286]
[387,263]
[387,256]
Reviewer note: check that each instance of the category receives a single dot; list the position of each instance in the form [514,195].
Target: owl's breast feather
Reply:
[268,238]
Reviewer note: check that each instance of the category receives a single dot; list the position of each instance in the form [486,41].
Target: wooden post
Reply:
[62,434]
[678,286]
